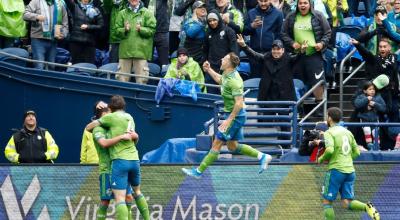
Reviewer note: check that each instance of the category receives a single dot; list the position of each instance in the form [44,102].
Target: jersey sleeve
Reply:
[98,133]
[106,120]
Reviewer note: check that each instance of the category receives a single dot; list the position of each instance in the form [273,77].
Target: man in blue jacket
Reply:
[263,24]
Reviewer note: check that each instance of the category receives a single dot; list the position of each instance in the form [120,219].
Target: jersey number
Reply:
[345,145]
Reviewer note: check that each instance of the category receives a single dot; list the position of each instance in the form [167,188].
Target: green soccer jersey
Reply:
[303,31]
[118,123]
[340,149]
[104,156]
[231,86]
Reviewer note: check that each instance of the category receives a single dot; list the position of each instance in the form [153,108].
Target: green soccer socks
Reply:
[208,160]
[141,204]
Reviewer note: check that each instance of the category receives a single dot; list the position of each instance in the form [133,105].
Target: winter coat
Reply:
[95,24]
[218,43]
[111,8]
[192,68]
[320,25]
[195,34]
[136,44]
[276,82]
[261,38]
[361,105]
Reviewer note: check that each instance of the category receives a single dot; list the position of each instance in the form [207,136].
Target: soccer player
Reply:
[102,142]
[340,149]
[230,131]
[125,159]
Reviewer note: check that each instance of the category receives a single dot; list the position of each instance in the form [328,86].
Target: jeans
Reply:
[43,50]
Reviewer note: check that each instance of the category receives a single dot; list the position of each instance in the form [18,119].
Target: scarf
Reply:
[90,10]
[48,24]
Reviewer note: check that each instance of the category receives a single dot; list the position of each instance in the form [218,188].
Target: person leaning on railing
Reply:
[31,144]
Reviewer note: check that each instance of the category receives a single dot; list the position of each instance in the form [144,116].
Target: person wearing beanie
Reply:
[31,144]
[185,68]
[220,40]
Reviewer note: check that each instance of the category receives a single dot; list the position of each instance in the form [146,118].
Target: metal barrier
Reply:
[341,71]
[323,102]
[354,124]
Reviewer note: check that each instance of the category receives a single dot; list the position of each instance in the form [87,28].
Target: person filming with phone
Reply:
[263,25]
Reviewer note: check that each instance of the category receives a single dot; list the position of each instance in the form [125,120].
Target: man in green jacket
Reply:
[185,67]
[135,26]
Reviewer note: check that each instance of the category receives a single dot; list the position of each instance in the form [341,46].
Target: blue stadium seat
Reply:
[173,55]
[109,67]
[63,56]
[17,52]
[299,87]
[351,30]
[253,85]
[76,70]
[154,69]
[244,70]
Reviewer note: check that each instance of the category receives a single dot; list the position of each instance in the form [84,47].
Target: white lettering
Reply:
[192,206]
[157,211]
[231,212]
[220,211]
[206,214]
[71,211]
[256,210]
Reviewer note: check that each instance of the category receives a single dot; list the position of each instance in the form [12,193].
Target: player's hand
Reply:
[224,126]
[134,135]
[206,66]
[240,40]
[101,105]
[126,137]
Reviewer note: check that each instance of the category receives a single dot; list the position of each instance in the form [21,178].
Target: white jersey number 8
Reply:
[345,145]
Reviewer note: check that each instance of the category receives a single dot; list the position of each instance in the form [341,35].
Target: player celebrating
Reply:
[341,149]
[125,159]
[230,131]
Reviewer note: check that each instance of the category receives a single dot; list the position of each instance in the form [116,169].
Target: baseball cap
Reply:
[198,4]
[381,81]
[277,43]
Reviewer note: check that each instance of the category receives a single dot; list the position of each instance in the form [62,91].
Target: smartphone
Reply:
[258,17]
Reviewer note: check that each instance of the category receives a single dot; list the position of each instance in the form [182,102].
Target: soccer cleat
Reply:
[192,172]
[264,161]
[372,212]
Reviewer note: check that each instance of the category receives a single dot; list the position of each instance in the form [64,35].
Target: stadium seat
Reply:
[243,56]
[244,70]
[109,67]
[17,52]
[299,87]
[154,69]
[253,85]
[351,30]
[74,69]
[173,55]
[63,56]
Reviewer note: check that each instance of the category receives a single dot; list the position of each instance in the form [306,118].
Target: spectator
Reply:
[368,105]
[159,8]
[394,15]
[12,25]
[372,35]
[313,143]
[220,40]
[112,8]
[309,28]
[231,16]
[195,30]
[384,63]
[263,24]
[175,25]
[184,67]
[276,82]
[31,144]
[181,10]
[44,31]
[87,20]
[135,27]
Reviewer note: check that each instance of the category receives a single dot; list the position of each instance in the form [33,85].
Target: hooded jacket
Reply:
[136,44]
[321,28]
[218,43]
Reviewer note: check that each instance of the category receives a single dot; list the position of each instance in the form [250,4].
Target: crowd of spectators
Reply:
[135,32]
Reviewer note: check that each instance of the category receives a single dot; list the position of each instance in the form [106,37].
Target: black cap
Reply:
[29,112]
[182,50]
[277,43]
[198,4]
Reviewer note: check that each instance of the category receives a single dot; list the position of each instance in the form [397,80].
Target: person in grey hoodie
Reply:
[49,23]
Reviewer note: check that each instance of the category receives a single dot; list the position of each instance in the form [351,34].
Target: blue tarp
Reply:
[171,151]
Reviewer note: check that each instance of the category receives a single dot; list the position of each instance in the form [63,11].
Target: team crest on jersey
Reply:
[39,137]
[221,34]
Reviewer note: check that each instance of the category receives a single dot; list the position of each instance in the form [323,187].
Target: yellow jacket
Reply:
[332,4]
[88,150]
[51,152]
